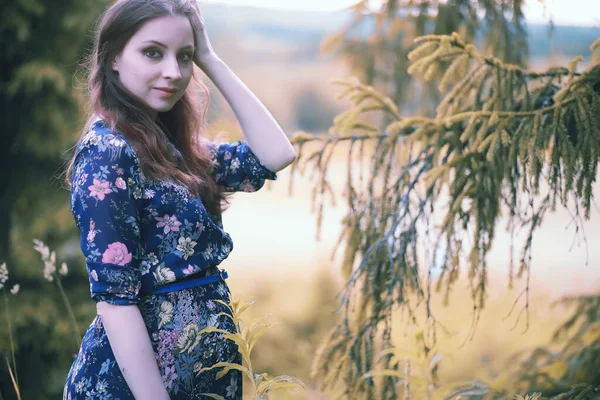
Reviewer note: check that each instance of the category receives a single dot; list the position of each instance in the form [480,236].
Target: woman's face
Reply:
[156,63]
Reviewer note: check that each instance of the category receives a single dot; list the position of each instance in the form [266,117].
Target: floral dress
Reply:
[138,234]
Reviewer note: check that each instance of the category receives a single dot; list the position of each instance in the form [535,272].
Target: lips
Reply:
[166,93]
[166,90]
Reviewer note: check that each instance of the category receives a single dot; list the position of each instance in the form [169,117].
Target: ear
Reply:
[115,64]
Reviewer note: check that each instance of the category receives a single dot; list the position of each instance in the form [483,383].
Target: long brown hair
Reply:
[189,162]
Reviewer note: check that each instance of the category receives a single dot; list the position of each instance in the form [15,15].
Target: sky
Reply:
[564,12]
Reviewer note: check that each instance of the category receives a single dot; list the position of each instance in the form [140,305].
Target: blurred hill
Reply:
[307,28]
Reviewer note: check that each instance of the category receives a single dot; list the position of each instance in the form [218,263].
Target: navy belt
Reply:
[191,282]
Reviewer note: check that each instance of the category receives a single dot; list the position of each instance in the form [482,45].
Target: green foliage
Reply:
[32,317]
[498,133]
[41,95]
[41,100]
[571,363]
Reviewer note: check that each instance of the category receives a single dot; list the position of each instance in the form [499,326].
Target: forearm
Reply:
[262,132]
[130,343]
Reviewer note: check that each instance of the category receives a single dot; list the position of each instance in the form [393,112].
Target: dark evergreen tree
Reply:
[41,49]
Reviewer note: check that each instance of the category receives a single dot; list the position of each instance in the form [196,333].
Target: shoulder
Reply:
[107,153]
[102,142]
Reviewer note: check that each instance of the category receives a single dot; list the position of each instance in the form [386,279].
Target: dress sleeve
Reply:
[104,190]
[239,169]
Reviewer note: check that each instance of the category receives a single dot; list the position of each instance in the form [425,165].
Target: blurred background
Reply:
[275,47]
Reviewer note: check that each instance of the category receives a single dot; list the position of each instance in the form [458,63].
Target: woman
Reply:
[147,194]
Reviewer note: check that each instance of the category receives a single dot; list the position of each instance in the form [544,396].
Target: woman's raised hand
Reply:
[204,51]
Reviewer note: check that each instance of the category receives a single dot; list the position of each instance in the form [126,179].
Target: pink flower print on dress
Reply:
[99,189]
[116,253]
[169,222]
[92,233]
[190,268]
[94,275]
[149,194]
[227,155]
[120,171]
[91,236]
[120,183]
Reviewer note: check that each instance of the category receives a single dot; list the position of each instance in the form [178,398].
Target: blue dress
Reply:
[138,234]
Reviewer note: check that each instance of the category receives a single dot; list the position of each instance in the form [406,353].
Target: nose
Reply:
[171,68]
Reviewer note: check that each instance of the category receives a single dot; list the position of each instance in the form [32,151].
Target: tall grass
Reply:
[12,370]
[261,384]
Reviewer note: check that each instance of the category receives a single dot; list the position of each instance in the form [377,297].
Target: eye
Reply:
[186,57]
[152,53]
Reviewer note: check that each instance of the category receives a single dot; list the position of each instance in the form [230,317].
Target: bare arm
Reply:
[262,132]
[130,343]
[115,281]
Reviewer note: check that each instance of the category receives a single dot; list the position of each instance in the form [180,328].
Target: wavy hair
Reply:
[188,161]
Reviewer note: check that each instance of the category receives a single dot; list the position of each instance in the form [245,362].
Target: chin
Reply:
[164,107]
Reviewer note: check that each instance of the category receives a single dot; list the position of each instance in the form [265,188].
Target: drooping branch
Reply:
[490,142]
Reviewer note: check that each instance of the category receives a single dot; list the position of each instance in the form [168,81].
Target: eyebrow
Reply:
[189,46]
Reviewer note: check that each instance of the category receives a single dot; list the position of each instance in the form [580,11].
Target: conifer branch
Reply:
[456,172]
[448,41]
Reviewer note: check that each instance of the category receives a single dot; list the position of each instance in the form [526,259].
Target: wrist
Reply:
[207,60]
